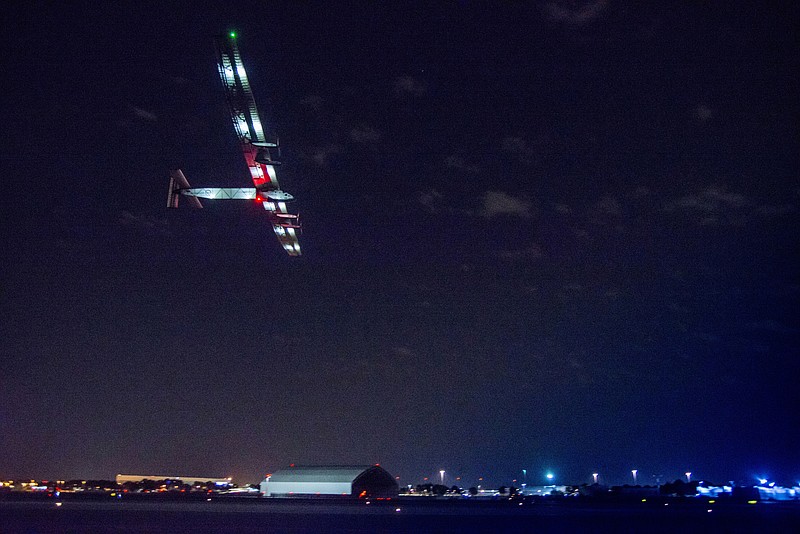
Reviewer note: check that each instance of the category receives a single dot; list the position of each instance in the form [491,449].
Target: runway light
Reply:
[59,503]
[397,509]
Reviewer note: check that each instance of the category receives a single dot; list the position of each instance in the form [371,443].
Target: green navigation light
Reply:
[233,35]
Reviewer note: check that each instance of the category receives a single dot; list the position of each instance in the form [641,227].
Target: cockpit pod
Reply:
[280,196]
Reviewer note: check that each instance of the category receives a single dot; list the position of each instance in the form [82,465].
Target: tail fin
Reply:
[178,181]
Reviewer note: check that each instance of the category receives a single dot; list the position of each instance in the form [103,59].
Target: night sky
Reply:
[537,235]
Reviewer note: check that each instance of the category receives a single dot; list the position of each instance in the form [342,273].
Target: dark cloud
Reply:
[608,206]
[321,155]
[144,114]
[458,163]
[712,206]
[703,113]
[409,85]
[494,203]
[574,12]
[519,147]
[365,134]
[532,252]
[312,103]
[143,222]
[564,209]
[430,200]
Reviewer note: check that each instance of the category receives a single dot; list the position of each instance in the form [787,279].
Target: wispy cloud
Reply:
[563,209]
[312,103]
[144,114]
[365,134]
[321,155]
[769,210]
[532,252]
[608,206]
[408,85]
[494,203]
[402,352]
[430,200]
[703,113]
[143,222]
[458,163]
[713,199]
[717,205]
[574,12]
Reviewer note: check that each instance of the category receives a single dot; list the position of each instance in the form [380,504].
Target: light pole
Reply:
[594,476]
[688,476]
[441,474]
[634,472]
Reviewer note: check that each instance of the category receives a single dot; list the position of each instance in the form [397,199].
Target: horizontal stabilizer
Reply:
[178,181]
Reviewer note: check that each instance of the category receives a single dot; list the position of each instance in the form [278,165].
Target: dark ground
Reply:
[220,515]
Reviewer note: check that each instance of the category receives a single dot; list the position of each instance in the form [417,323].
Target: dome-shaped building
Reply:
[310,481]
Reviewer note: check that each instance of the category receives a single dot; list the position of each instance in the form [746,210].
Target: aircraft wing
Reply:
[255,147]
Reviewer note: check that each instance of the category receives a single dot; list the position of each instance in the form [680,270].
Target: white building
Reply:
[121,479]
[357,481]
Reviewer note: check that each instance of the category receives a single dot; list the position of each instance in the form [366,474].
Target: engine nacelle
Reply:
[264,158]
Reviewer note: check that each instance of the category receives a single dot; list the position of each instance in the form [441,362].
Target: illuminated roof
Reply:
[322,473]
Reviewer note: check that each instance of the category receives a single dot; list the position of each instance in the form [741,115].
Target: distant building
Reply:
[312,481]
[544,490]
[121,479]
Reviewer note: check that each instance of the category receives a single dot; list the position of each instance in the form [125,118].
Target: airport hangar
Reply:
[313,481]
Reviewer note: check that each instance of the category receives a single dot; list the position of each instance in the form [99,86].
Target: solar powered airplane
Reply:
[257,154]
